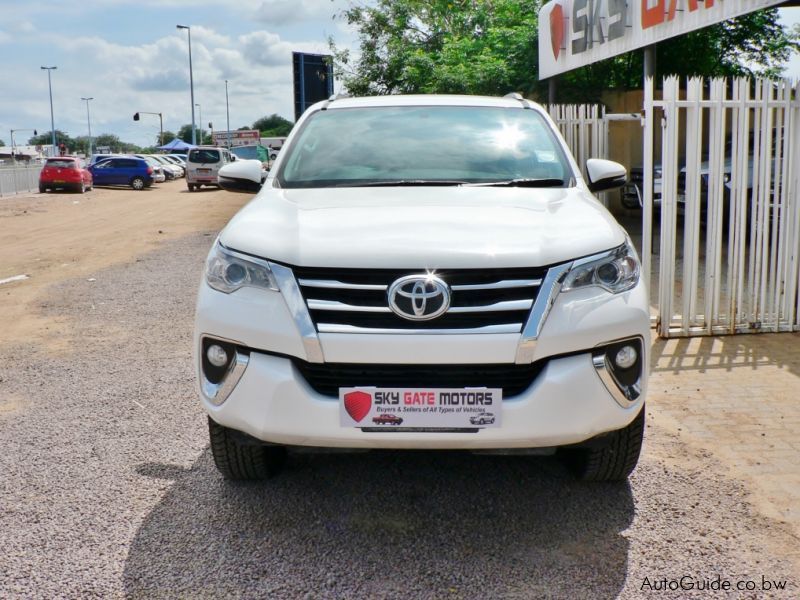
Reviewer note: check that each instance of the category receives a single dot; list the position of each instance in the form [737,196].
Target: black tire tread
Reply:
[241,461]
[613,461]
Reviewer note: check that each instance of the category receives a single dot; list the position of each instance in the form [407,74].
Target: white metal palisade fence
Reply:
[730,215]
[585,130]
[18,179]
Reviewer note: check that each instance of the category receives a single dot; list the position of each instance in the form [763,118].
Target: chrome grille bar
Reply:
[496,307]
[498,285]
[330,284]
[341,328]
[341,306]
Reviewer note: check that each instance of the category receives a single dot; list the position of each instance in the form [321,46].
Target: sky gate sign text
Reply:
[574,33]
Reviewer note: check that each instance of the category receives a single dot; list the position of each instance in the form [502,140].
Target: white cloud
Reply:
[286,12]
[264,48]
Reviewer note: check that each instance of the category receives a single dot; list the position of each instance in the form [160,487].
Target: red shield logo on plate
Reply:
[357,404]
[556,29]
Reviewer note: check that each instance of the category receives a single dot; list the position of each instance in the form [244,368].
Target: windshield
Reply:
[203,155]
[250,152]
[61,162]
[418,145]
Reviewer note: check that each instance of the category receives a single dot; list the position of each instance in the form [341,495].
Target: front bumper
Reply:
[570,400]
[566,404]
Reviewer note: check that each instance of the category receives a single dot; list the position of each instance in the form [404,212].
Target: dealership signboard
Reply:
[243,137]
[574,33]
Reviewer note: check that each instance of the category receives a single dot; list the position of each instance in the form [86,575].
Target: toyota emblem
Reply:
[419,297]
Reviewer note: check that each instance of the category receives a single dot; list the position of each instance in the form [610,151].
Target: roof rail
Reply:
[518,97]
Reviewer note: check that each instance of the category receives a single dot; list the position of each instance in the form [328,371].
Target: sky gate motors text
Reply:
[429,398]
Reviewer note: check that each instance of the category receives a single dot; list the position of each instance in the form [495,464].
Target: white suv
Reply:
[386,268]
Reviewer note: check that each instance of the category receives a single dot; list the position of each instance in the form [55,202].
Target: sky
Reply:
[129,57]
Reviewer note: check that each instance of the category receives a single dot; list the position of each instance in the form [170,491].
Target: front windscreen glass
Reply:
[408,145]
[203,155]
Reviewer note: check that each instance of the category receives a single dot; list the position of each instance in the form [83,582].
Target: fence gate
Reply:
[585,129]
[726,260]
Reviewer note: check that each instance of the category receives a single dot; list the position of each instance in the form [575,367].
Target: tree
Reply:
[273,126]
[108,140]
[185,133]
[441,46]
[168,137]
[46,139]
[2,143]
[490,47]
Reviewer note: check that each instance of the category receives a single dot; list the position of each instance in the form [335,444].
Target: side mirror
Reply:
[605,174]
[241,176]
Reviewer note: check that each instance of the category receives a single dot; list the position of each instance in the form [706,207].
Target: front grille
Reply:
[355,300]
[327,378]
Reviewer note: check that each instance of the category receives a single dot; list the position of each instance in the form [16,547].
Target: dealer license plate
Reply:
[58,181]
[425,408]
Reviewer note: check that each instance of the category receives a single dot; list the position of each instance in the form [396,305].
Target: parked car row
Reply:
[139,171]
[135,170]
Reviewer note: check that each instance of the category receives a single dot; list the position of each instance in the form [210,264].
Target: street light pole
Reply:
[52,119]
[13,145]
[191,80]
[200,115]
[88,123]
[228,114]
[160,120]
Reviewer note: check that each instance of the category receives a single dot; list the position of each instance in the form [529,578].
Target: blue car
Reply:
[123,170]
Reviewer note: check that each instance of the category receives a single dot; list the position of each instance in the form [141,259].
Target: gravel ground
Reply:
[109,490]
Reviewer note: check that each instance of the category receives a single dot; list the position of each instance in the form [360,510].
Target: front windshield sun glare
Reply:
[424,145]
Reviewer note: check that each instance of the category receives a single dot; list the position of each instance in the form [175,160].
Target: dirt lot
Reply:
[108,488]
[61,236]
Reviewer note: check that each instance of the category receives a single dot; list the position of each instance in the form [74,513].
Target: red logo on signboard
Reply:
[357,404]
[556,29]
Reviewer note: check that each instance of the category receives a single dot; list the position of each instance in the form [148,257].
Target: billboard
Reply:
[243,137]
[313,80]
[574,33]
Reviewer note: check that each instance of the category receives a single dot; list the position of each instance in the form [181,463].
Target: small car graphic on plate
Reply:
[387,420]
[482,419]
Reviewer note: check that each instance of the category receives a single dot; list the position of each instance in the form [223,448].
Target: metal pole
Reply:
[228,114]
[89,123]
[200,114]
[191,81]
[161,121]
[52,119]
[552,88]
[13,155]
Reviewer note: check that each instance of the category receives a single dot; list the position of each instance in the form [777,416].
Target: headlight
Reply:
[227,271]
[615,271]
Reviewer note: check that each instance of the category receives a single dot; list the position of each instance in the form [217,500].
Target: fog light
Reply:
[218,357]
[625,358]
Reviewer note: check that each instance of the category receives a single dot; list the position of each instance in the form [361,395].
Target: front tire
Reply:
[137,183]
[613,459]
[42,189]
[239,460]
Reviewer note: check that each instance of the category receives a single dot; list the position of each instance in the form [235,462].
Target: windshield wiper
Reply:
[520,182]
[406,183]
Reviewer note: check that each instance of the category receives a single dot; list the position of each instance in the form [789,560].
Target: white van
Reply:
[203,164]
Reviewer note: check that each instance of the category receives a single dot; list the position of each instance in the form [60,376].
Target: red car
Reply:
[66,173]
[387,420]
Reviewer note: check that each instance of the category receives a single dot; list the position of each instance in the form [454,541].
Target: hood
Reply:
[419,227]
